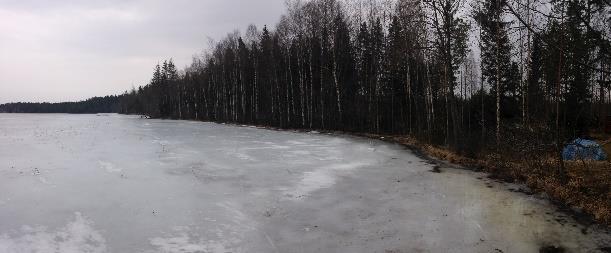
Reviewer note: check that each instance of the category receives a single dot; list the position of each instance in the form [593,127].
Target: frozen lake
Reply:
[111,183]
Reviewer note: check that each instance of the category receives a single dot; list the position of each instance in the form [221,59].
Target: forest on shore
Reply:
[465,74]
[509,82]
[107,104]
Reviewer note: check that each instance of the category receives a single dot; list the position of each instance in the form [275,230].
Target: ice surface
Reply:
[76,237]
[111,183]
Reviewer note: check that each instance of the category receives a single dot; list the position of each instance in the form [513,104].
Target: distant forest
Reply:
[469,75]
[108,104]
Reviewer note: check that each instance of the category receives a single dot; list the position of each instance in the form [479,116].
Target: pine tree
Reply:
[578,51]
[496,52]
[363,56]
[395,68]
[343,70]
[535,94]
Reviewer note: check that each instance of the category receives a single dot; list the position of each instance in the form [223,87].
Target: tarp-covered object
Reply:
[583,149]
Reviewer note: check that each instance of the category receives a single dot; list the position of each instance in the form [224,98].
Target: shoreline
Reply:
[452,160]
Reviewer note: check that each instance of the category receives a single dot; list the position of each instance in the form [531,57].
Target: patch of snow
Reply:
[77,236]
[321,178]
[184,243]
[109,167]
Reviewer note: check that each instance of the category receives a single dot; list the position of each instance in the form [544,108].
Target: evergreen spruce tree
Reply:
[496,52]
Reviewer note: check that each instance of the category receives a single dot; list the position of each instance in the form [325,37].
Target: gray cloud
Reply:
[69,50]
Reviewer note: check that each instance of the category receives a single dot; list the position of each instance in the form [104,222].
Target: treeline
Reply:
[465,74]
[107,104]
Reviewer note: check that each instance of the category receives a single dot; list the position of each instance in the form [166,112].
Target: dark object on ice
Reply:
[551,249]
[582,149]
[436,169]
[606,249]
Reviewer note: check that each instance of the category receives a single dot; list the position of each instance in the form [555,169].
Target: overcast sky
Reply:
[66,50]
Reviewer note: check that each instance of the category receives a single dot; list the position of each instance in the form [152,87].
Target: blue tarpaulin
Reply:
[583,149]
